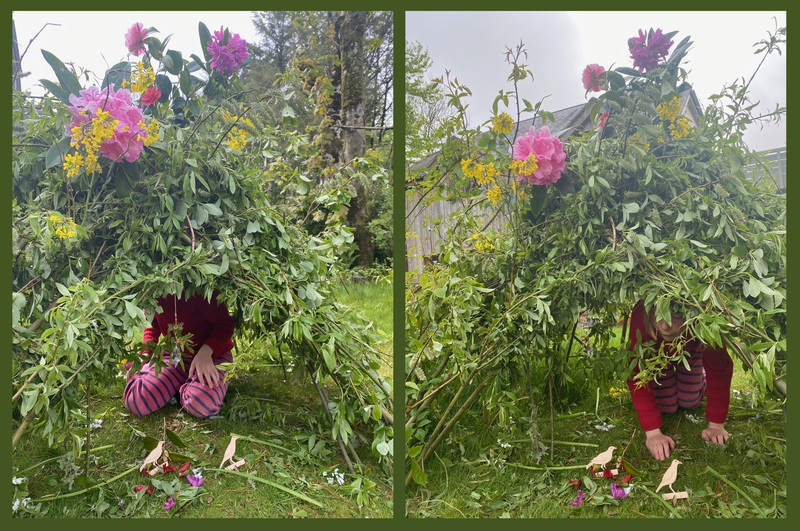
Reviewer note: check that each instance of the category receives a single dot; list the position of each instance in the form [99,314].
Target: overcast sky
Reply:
[96,40]
[560,45]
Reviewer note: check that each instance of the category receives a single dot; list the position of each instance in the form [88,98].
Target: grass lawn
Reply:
[490,472]
[283,440]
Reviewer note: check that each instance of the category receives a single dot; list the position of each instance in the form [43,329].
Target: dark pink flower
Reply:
[579,499]
[607,473]
[169,504]
[227,55]
[627,478]
[549,153]
[195,481]
[647,51]
[617,491]
[138,488]
[134,39]
[150,97]
[576,483]
[591,77]
[603,119]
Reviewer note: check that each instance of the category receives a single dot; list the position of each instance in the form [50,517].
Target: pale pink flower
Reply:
[591,77]
[134,39]
[549,152]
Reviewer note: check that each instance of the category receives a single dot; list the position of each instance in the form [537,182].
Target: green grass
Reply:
[281,411]
[475,475]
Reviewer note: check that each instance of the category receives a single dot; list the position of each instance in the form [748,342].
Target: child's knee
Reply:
[669,409]
[201,401]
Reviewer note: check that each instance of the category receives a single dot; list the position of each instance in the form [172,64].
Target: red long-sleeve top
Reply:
[716,362]
[208,322]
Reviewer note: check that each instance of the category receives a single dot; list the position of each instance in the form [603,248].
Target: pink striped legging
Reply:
[145,392]
[679,387]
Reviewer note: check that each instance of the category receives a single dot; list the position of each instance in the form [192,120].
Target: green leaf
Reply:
[185,82]
[175,64]
[212,209]
[55,155]
[56,91]
[66,78]
[417,474]
[205,36]
[164,85]
[150,443]
[537,199]
[564,186]
[414,451]
[176,440]
[628,71]
[116,75]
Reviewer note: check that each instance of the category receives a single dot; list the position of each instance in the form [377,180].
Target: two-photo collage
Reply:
[570,304]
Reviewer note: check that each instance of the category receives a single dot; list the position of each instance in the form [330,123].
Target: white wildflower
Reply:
[15,505]
[16,481]
[96,423]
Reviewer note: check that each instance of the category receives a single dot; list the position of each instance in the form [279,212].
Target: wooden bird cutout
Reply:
[602,458]
[229,451]
[670,475]
[154,455]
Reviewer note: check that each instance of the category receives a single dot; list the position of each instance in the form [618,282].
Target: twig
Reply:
[191,229]
[614,230]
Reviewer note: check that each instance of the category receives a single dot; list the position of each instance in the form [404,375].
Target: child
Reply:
[200,384]
[709,375]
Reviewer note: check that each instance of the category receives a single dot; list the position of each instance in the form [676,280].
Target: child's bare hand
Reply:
[659,444]
[203,368]
[715,433]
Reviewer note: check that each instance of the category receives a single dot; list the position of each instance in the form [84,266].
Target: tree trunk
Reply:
[352,50]
[352,54]
[331,146]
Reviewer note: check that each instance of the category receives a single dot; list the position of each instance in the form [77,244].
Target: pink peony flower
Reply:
[126,142]
[227,56]
[134,39]
[549,152]
[169,504]
[591,77]
[647,51]
[151,96]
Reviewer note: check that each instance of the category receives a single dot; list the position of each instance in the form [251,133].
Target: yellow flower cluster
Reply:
[482,242]
[483,173]
[616,392]
[669,111]
[141,79]
[151,129]
[679,128]
[65,227]
[525,167]
[679,125]
[502,123]
[494,194]
[517,187]
[237,138]
[635,139]
[90,137]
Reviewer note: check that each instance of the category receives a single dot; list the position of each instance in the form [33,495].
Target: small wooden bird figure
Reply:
[602,458]
[154,455]
[670,476]
[229,451]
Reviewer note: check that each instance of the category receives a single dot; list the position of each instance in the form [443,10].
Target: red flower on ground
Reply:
[576,483]
[607,473]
